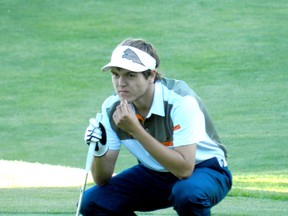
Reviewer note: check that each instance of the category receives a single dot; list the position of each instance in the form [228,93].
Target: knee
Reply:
[86,206]
[192,201]
[89,207]
[182,196]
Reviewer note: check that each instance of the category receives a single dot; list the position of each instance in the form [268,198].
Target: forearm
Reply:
[103,167]
[173,160]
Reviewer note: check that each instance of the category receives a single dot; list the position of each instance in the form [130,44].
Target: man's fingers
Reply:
[123,112]
[122,108]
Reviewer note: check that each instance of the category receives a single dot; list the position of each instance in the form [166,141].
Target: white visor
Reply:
[130,58]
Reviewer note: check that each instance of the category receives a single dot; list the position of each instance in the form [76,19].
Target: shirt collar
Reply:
[157,107]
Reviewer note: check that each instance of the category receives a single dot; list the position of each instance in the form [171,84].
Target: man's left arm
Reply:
[179,160]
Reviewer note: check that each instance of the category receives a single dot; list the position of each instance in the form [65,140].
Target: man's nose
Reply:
[122,81]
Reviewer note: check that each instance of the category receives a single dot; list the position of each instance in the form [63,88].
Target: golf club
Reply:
[87,168]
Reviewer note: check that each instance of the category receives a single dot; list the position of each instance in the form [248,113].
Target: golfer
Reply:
[164,124]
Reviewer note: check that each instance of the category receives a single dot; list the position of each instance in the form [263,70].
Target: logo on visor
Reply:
[131,55]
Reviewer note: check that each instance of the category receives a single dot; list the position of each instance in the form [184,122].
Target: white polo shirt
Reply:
[177,118]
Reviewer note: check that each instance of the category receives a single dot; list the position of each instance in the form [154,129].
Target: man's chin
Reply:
[125,98]
[128,101]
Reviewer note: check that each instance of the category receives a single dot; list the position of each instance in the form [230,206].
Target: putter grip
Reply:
[91,148]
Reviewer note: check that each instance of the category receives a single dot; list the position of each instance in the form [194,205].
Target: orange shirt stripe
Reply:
[139,117]
[169,143]
[177,127]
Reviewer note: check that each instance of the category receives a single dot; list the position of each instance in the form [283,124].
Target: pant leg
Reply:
[135,189]
[206,187]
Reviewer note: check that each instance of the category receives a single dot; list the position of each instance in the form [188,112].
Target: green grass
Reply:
[232,53]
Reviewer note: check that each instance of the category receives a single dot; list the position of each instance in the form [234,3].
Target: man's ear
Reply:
[152,76]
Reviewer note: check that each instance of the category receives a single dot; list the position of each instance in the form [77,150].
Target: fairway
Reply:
[232,53]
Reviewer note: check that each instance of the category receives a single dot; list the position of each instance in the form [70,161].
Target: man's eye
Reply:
[114,74]
[130,75]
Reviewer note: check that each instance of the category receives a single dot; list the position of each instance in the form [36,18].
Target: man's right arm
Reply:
[104,160]
[103,167]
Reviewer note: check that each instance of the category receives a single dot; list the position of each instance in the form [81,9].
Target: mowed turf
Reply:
[232,53]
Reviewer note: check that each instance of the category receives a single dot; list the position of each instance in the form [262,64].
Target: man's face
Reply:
[131,86]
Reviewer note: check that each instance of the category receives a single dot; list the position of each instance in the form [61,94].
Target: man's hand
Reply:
[125,118]
[95,133]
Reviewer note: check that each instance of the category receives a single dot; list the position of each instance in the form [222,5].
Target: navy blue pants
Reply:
[141,189]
